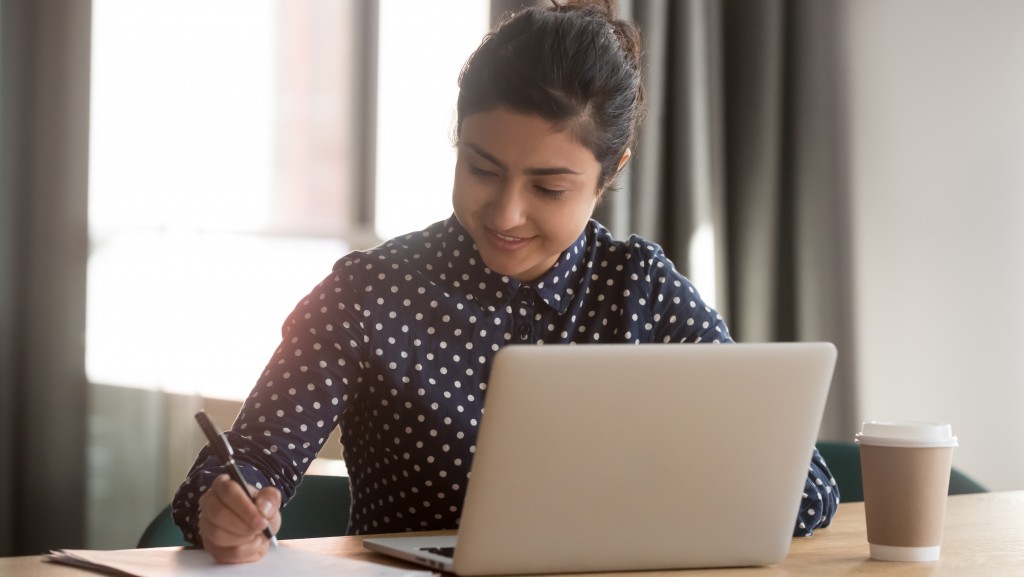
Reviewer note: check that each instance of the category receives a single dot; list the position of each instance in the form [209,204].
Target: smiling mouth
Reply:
[506,242]
[508,238]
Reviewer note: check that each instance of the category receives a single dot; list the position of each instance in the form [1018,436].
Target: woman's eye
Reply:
[552,193]
[477,171]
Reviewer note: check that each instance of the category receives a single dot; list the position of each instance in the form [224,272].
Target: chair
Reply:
[843,459]
[320,508]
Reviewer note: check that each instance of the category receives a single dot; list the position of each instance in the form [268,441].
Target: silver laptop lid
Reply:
[631,457]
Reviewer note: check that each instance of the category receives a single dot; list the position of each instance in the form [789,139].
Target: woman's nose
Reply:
[509,207]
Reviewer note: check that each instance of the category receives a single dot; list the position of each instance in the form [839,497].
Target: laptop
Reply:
[635,457]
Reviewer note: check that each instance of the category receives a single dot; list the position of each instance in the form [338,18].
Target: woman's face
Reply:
[523,190]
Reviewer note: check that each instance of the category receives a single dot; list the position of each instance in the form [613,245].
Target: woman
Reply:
[394,346]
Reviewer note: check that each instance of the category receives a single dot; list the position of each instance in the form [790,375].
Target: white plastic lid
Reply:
[906,434]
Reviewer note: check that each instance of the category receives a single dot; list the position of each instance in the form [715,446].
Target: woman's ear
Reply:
[625,158]
[622,162]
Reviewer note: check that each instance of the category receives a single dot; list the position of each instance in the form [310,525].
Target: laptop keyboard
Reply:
[442,551]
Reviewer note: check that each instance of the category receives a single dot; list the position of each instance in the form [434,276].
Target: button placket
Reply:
[524,316]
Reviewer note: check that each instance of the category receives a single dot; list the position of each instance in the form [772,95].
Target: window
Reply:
[421,55]
[223,160]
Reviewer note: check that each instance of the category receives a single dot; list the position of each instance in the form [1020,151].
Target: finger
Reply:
[215,514]
[223,535]
[219,524]
[247,552]
[268,501]
[238,501]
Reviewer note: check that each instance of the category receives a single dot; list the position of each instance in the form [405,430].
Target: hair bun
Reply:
[626,32]
[606,7]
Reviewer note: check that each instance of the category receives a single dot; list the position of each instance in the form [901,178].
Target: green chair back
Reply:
[843,459]
[320,508]
[161,532]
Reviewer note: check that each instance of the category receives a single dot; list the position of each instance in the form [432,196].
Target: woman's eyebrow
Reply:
[554,170]
[486,155]
[546,171]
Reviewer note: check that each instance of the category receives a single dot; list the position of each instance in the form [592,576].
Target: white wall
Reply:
[936,97]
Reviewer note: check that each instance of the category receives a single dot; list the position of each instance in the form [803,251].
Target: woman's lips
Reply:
[506,242]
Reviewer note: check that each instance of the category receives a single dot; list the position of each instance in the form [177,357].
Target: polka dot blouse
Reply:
[395,346]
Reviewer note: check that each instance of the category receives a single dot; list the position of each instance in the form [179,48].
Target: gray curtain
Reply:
[744,144]
[789,250]
[44,112]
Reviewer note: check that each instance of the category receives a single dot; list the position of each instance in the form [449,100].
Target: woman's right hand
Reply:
[231,525]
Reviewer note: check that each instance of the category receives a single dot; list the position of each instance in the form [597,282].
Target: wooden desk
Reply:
[984,535]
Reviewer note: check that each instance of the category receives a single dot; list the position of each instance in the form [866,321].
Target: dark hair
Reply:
[575,65]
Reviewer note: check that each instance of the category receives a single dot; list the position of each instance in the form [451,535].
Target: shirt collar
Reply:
[465,272]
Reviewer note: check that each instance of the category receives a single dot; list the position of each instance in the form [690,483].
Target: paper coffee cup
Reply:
[905,468]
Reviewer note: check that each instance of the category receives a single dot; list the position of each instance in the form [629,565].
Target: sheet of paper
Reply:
[284,560]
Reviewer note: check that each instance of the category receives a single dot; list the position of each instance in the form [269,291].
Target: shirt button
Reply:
[524,332]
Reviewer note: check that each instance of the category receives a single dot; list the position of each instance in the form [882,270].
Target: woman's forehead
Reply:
[512,136]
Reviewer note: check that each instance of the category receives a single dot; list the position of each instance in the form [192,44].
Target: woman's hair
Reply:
[574,64]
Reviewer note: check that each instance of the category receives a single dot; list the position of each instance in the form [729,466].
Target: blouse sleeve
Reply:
[820,499]
[295,404]
[677,313]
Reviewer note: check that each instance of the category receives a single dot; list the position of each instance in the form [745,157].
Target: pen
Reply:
[226,455]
